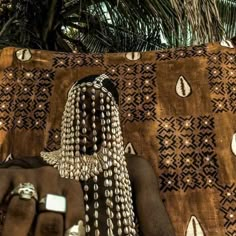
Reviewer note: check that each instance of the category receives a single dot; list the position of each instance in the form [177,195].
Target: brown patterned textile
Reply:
[178,110]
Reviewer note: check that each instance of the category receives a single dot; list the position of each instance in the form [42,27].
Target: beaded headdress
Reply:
[107,157]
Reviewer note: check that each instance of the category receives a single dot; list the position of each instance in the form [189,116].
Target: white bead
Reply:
[109,232]
[95,179]
[97,232]
[95,147]
[119,231]
[87,228]
[126,230]
[86,187]
[96,214]
[106,183]
[84,140]
[94,132]
[87,207]
[109,222]
[95,187]
[94,139]
[95,196]
[96,205]
[84,114]
[105,173]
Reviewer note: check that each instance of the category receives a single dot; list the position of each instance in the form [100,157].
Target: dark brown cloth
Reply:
[177,111]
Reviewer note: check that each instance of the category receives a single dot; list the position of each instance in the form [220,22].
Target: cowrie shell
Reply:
[8,158]
[194,228]
[233,144]
[183,88]
[130,149]
[23,54]
[226,43]
[133,56]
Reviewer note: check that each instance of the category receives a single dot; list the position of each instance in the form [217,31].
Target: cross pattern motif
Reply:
[187,156]
[24,99]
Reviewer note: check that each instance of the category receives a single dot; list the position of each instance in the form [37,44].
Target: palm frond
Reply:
[227,11]
[114,25]
[198,19]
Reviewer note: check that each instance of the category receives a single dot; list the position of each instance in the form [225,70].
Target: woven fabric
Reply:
[178,111]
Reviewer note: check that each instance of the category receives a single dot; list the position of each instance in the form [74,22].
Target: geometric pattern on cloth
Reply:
[188,167]
[181,53]
[70,60]
[187,153]
[137,90]
[54,140]
[24,98]
[222,81]
[228,207]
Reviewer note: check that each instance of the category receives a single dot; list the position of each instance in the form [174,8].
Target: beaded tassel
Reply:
[73,161]
[77,135]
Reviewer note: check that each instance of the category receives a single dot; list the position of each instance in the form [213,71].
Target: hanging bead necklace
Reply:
[72,161]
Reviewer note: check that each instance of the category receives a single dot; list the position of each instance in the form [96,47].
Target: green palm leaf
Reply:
[114,25]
